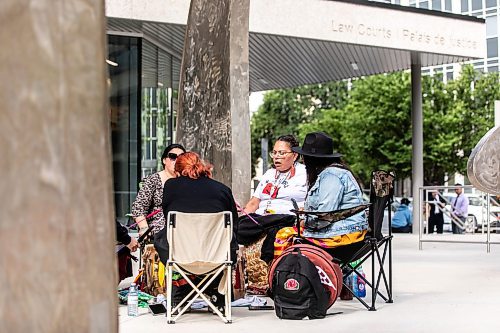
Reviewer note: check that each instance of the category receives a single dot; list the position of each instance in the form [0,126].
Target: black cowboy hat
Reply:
[317,144]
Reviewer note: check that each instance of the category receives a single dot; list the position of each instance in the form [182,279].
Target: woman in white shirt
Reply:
[269,208]
[286,180]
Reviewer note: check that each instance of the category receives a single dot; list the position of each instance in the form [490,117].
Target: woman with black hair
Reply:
[286,180]
[269,210]
[150,195]
[270,207]
[331,186]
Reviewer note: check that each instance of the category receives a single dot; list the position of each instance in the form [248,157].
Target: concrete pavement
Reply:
[444,288]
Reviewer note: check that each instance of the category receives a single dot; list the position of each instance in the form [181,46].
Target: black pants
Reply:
[437,221]
[403,230]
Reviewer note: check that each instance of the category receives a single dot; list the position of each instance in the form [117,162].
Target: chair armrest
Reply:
[335,215]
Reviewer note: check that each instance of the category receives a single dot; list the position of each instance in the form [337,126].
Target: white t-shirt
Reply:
[276,189]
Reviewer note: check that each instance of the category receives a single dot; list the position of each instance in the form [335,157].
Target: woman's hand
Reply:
[133,245]
[142,231]
[252,205]
[142,223]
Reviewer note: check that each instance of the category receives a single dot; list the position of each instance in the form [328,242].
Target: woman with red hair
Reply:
[194,191]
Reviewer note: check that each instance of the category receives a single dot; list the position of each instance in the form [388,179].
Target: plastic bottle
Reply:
[345,294]
[133,301]
[361,285]
[354,283]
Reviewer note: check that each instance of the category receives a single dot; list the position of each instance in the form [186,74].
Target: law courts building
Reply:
[291,43]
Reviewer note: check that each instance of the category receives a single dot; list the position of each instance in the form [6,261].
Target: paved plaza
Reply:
[443,288]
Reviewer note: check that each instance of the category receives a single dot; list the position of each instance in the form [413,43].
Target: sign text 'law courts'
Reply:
[413,36]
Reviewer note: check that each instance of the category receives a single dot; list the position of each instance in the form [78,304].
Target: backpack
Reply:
[296,288]
[329,271]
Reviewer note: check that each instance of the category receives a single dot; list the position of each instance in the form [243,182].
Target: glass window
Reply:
[491,3]
[436,4]
[156,106]
[124,52]
[479,66]
[142,107]
[475,201]
[447,5]
[492,68]
[492,47]
[449,76]
[423,4]
[491,26]
[465,5]
[477,4]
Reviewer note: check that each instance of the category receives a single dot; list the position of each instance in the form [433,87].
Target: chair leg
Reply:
[169,295]
[381,273]
[206,281]
[229,287]
[376,279]
[390,300]
[374,290]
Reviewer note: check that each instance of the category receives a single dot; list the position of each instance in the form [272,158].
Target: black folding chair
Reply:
[375,245]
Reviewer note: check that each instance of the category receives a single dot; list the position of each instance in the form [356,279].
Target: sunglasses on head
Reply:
[172,156]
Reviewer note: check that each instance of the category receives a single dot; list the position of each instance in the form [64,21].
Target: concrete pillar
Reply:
[58,271]
[417,161]
[213,116]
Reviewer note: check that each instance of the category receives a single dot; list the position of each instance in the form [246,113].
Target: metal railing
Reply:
[483,216]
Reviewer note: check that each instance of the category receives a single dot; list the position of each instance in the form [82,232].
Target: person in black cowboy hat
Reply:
[331,186]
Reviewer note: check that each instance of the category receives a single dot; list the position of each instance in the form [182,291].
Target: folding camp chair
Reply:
[199,243]
[381,196]
[375,245]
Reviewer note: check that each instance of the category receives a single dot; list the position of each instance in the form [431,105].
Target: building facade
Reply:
[485,9]
[316,41]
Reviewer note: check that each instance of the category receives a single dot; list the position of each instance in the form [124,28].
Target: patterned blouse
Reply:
[149,199]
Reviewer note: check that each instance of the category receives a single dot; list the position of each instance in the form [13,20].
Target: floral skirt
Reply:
[284,239]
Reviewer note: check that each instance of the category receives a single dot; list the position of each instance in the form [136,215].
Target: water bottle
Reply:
[355,284]
[133,301]
[361,285]
[345,294]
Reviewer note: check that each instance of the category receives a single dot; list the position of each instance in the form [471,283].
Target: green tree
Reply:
[439,124]
[373,129]
[283,111]
[474,93]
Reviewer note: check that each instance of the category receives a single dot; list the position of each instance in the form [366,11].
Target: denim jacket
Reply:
[336,189]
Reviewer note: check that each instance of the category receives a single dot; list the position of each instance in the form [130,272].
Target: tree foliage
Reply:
[284,110]
[372,127]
